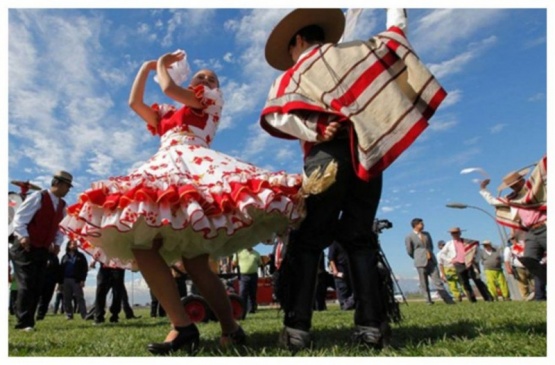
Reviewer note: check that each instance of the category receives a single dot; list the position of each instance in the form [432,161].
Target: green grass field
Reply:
[481,329]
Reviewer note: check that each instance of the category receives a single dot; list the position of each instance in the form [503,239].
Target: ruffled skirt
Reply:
[197,200]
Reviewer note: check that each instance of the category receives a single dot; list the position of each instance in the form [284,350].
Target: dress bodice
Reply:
[187,125]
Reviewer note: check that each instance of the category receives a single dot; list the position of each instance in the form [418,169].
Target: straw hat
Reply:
[332,22]
[512,178]
[486,242]
[64,176]
[454,230]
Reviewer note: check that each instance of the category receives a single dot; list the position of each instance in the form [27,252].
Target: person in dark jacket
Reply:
[74,268]
[108,278]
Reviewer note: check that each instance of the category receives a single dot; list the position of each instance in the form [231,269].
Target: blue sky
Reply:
[70,72]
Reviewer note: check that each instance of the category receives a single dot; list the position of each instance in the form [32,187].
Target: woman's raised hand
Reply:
[169,58]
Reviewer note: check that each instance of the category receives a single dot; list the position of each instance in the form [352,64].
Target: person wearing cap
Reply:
[448,273]
[492,261]
[352,107]
[513,266]
[525,209]
[420,248]
[36,231]
[454,252]
[462,254]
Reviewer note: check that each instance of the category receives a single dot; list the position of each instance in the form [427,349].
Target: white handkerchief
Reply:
[179,71]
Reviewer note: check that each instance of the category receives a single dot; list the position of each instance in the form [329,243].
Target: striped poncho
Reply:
[380,86]
[533,196]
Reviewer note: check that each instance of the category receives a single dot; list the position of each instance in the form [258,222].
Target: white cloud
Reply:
[537,97]
[387,209]
[451,66]
[71,78]
[195,21]
[286,154]
[212,64]
[440,31]
[497,128]
[453,97]
[228,57]
[442,126]
[472,141]
[256,143]
[461,158]
[457,64]
[100,164]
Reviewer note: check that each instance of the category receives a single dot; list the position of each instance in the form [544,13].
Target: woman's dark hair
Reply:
[311,34]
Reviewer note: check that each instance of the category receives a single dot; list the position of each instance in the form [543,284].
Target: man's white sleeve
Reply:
[490,199]
[398,18]
[294,125]
[25,213]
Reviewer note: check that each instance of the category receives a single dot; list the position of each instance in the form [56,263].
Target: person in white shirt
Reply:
[448,273]
[525,216]
[36,231]
[514,267]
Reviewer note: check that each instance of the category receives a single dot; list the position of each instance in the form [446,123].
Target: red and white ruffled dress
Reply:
[198,200]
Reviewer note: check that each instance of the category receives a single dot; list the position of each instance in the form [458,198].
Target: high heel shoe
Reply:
[237,338]
[187,339]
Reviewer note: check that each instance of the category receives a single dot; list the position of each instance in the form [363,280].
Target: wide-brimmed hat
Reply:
[64,176]
[512,178]
[486,242]
[454,230]
[332,22]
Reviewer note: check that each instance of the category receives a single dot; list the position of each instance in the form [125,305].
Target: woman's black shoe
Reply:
[187,339]
[237,338]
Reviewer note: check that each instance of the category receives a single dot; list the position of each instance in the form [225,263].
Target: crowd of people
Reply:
[189,202]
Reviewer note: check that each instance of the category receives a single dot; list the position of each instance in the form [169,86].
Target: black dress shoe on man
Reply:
[187,339]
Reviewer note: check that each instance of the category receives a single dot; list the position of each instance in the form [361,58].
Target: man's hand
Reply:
[509,270]
[329,133]
[25,242]
[484,184]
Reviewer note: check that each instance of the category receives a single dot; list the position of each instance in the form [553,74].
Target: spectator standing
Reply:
[36,229]
[492,261]
[248,261]
[420,248]
[59,300]
[455,252]
[514,267]
[339,266]
[448,273]
[108,278]
[74,270]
